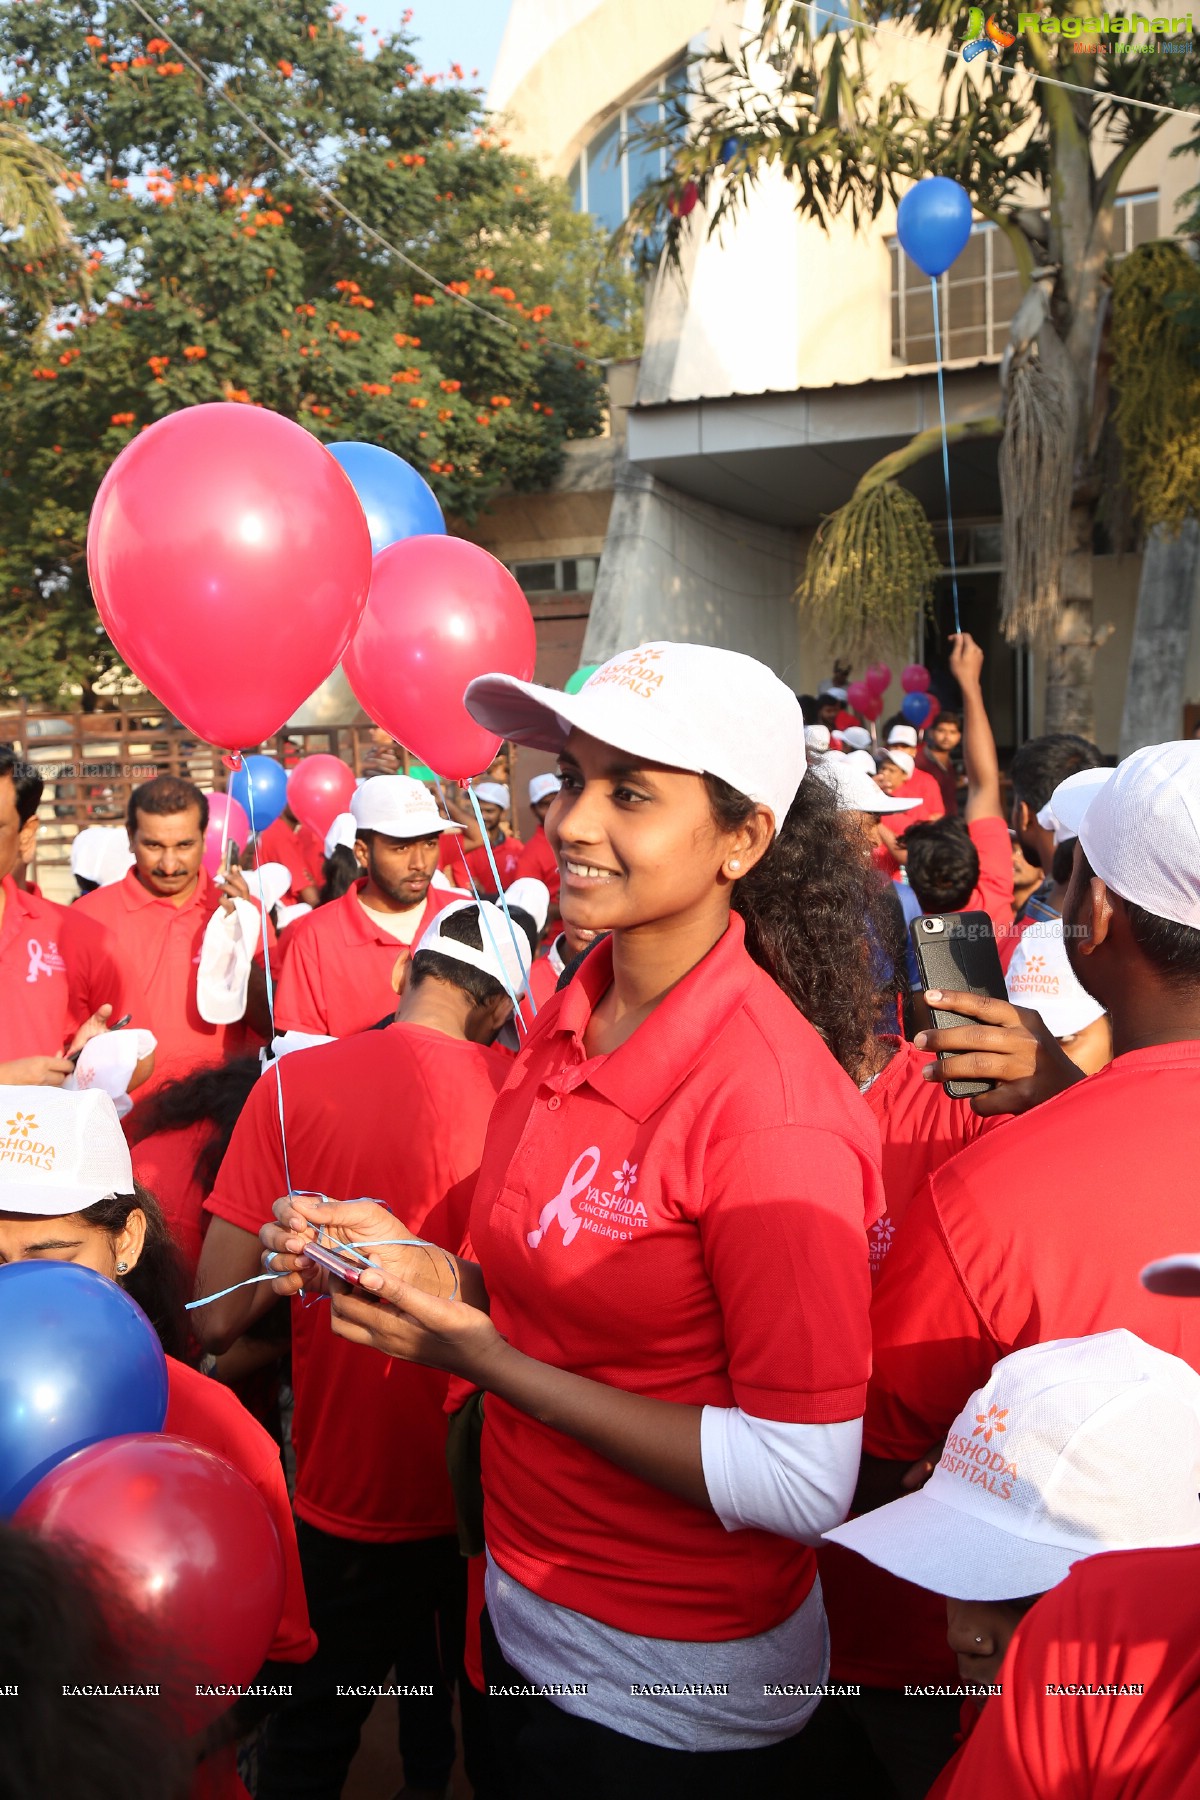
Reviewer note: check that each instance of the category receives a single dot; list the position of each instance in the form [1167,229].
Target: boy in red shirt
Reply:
[301,852]
[917,784]
[340,965]
[949,869]
[376,1517]
[458,855]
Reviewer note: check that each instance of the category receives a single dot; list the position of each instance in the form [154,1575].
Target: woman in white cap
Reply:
[1046,1464]
[667,1301]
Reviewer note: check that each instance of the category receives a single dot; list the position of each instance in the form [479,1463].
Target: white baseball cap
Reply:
[533,896]
[816,739]
[399,807]
[856,737]
[498,956]
[855,789]
[60,1152]
[344,830]
[492,793]
[542,786]
[101,853]
[687,706]
[1063,812]
[827,691]
[901,758]
[1071,1447]
[903,734]
[1039,975]
[1141,832]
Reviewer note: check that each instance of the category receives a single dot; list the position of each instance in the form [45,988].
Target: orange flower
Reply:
[238,394]
[501,400]
[484,274]
[361,300]
[308,312]
[459,287]
[194,352]
[322,412]
[549,411]
[376,387]
[285,68]
[422,300]
[44,374]
[504,293]
[141,62]
[312,32]
[122,419]
[418,401]
[270,218]
[158,363]
[346,287]
[285,333]
[450,387]
[447,412]
[92,41]
[157,45]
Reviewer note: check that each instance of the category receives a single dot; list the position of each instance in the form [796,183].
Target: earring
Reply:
[735,864]
[979,1640]
[122,1268]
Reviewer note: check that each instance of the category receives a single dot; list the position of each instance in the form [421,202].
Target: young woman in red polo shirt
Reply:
[666,1300]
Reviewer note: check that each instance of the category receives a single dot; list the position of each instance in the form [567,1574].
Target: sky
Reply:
[461,31]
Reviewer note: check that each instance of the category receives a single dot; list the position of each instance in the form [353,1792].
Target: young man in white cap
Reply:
[457,856]
[340,964]
[1038,1230]
[1045,1465]
[399,1115]
[1038,768]
[917,785]
[537,858]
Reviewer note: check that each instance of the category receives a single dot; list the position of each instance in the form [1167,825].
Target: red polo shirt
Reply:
[337,966]
[684,1219]
[883,1631]
[165,1162]
[924,788]
[1038,1231]
[156,946]
[537,858]
[452,857]
[55,970]
[300,851]
[202,1410]
[946,779]
[398,1116]
[1125,1620]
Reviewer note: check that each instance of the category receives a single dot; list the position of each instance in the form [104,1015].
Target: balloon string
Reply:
[355,1250]
[262,905]
[518,1016]
[512,930]
[937,346]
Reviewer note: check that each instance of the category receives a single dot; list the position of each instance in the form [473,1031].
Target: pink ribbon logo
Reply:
[579,1178]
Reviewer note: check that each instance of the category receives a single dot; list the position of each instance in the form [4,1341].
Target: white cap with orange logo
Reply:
[686,706]
[60,1152]
[1072,1447]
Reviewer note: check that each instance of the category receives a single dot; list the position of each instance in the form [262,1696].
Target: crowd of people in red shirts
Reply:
[719,1405]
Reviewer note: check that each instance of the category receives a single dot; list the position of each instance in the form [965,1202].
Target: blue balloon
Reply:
[934,223]
[916,708]
[398,502]
[79,1362]
[268,780]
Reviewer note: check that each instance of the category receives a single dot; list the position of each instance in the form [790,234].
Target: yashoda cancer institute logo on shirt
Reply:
[606,1212]
[985,38]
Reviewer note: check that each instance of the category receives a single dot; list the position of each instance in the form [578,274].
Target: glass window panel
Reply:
[604,176]
[988,543]
[567,576]
[1145,219]
[537,577]
[1006,297]
[1003,259]
[586,570]
[897,343]
[645,164]
[919,316]
[969,342]
[920,349]
[971,265]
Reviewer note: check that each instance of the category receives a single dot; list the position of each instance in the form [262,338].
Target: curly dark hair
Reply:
[216,1094]
[157,1281]
[55,1630]
[818,920]
[942,864]
[342,869]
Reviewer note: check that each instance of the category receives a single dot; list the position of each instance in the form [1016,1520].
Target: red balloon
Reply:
[915,679]
[856,693]
[682,203]
[229,558]
[186,1542]
[872,706]
[878,678]
[440,612]
[318,789]
[218,833]
[935,707]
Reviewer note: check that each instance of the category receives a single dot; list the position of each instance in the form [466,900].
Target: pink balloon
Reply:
[915,679]
[856,693]
[440,612]
[872,706]
[318,789]
[878,678]
[226,820]
[229,558]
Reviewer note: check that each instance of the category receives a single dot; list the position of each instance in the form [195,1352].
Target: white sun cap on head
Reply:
[1040,976]
[541,787]
[856,737]
[903,734]
[1141,833]
[687,706]
[341,833]
[1072,1447]
[902,760]
[60,1152]
[855,789]
[101,853]
[398,807]
[492,793]
[533,896]
[817,739]
[498,956]
[1065,808]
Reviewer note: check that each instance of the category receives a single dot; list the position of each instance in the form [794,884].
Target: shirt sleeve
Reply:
[795,1480]
[300,996]
[783,1229]
[991,840]
[931,1345]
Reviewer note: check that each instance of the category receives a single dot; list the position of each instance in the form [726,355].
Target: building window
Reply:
[558,575]
[608,177]
[979,294]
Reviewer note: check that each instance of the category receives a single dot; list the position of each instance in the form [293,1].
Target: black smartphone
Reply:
[957,951]
[232,857]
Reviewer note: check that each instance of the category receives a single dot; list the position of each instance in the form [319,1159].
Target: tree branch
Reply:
[923,445]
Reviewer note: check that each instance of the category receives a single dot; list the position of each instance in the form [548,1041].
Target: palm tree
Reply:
[29,177]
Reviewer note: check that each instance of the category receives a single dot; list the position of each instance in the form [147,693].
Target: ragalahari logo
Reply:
[985,38]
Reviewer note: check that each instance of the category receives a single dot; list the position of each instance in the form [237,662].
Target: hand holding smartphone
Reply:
[957,951]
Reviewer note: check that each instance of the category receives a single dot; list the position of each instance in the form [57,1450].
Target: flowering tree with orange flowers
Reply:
[208,263]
